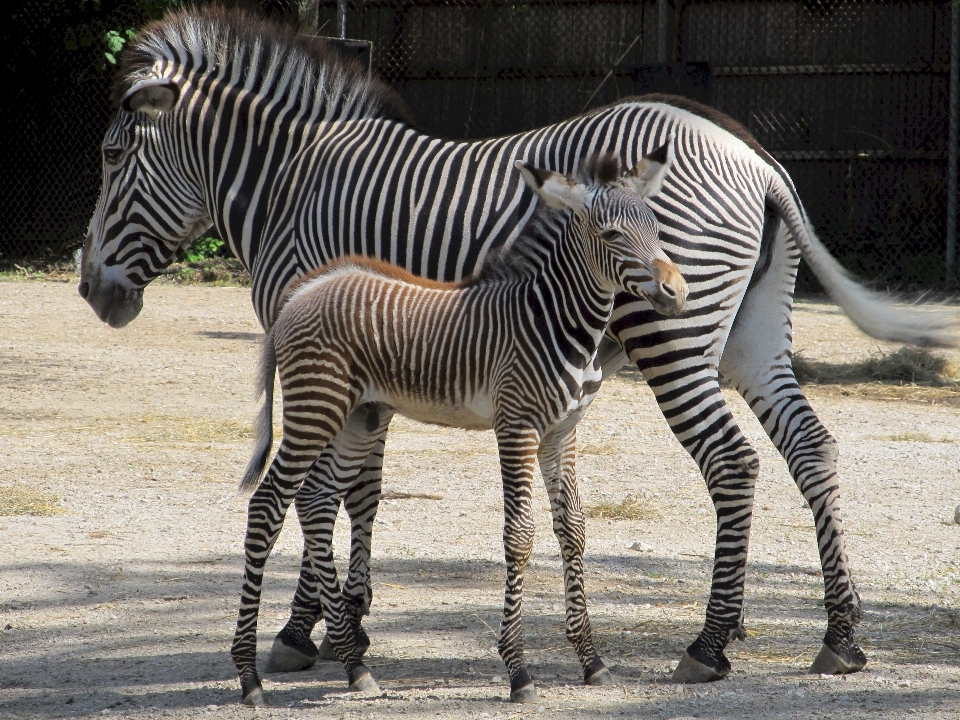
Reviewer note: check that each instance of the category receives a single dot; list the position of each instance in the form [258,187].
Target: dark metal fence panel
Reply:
[852,98]
[477,68]
[850,95]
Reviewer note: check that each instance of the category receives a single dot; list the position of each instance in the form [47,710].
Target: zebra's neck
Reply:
[569,306]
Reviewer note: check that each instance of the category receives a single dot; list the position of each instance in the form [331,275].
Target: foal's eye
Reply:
[112,155]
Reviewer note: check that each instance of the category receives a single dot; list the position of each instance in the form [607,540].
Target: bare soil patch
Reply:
[124,602]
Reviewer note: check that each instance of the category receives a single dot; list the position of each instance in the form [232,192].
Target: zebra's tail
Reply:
[266,374]
[874,313]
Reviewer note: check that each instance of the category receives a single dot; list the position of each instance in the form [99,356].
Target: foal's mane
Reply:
[235,42]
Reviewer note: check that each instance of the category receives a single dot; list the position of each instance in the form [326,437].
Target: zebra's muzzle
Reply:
[661,285]
[113,304]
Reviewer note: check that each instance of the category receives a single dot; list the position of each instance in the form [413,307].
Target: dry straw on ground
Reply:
[908,365]
[630,508]
[21,499]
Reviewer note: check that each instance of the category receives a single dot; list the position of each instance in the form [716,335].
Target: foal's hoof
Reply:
[522,689]
[361,681]
[830,662]
[596,673]
[252,693]
[691,671]
[287,655]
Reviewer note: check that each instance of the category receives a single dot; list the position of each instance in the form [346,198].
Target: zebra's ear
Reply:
[152,96]
[646,177]
[556,190]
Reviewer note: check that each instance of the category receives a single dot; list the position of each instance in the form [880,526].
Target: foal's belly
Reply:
[474,414]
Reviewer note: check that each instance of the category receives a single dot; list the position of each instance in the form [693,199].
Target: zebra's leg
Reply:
[757,361]
[702,422]
[292,649]
[687,389]
[557,457]
[265,514]
[317,505]
[518,452]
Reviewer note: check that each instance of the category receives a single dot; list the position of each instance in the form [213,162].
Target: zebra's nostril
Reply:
[667,290]
[84,289]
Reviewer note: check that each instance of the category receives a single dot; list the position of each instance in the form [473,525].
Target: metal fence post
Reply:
[342,19]
[663,29]
[954,136]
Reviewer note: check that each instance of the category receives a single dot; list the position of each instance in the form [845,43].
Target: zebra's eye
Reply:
[609,234]
[112,155]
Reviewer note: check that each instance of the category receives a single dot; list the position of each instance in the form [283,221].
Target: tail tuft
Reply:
[876,314]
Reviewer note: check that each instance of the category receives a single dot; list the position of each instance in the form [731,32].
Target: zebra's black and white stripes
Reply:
[513,349]
[297,161]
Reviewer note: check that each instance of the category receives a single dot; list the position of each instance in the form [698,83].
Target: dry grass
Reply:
[22,499]
[916,437]
[906,366]
[175,430]
[598,449]
[219,272]
[630,508]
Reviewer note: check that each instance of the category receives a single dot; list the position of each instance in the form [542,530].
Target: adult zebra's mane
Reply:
[235,43]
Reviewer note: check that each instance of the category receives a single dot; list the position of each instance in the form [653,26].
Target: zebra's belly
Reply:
[475,414]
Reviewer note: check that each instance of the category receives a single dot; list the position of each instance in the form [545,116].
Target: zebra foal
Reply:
[512,349]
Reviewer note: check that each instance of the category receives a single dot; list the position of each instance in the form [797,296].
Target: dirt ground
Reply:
[120,598]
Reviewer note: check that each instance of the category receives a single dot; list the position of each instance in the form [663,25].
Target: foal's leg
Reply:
[518,452]
[292,649]
[557,457]
[314,412]
[317,505]
[265,514]
[757,361]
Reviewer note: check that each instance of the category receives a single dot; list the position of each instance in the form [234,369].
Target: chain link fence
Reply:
[851,96]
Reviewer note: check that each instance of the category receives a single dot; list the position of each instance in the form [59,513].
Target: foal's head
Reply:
[620,234]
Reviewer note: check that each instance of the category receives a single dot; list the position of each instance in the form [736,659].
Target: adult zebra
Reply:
[298,159]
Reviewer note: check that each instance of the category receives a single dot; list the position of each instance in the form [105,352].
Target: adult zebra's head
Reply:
[150,207]
[620,233]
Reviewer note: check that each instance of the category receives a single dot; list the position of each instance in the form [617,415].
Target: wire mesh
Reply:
[850,95]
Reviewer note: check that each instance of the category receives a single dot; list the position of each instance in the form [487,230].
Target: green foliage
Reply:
[71,41]
[205,246]
[115,42]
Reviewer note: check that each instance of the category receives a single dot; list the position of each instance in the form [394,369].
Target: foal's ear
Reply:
[152,96]
[646,177]
[556,190]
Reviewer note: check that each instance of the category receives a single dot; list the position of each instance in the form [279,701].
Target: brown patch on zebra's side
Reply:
[368,264]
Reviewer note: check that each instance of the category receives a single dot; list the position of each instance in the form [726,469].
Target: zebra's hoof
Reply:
[526,694]
[691,671]
[596,673]
[361,681]
[252,693]
[287,655]
[522,689]
[830,662]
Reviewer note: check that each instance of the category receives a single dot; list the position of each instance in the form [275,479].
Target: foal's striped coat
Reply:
[513,349]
